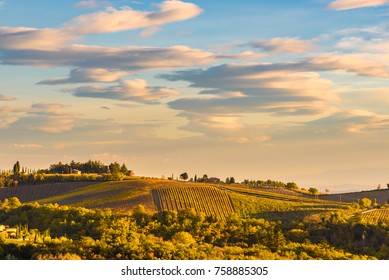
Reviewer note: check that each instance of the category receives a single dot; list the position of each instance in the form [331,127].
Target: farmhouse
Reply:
[214,180]
[76,171]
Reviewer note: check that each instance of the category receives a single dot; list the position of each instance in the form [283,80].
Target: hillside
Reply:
[155,195]
[379,196]
[203,221]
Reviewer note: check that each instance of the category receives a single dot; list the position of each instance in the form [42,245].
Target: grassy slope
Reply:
[124,195]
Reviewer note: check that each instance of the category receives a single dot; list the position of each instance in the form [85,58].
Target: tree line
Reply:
[73,171]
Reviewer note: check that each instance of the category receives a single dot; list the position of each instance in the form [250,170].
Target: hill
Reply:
[379,196]
[217,200]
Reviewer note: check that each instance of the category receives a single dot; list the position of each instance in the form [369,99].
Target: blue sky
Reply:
[283,90]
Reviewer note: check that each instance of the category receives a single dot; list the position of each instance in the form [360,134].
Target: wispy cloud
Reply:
[92,4]
[6,98]
[351,121]
[354,4]
[353,63]
[373,45]
[283,45]
[46,117]
[224,128]
[27,146]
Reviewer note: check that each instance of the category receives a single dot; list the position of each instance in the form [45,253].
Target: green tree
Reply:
[114,167]
[124,169]
[292,186]
[232,180]
[184,176]
[364,202]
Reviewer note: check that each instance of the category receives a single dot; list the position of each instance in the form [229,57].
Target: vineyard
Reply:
[376,216]
[279,191]
[206,199]
[36,192]
[280,196]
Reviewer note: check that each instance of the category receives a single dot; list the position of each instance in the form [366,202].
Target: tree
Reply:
[195,179]
[292,186]
[184,176]
[124,169]
[16,168]
[313,191]
[232,180]
[114,167]
[227,180]
[364,202]
[205,177]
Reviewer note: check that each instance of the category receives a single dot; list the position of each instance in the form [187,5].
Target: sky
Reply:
[281,90]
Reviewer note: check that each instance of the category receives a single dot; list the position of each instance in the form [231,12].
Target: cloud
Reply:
[46,117]
[115,58]
[6,98]
[224,128]
[239,88]
[11,114]
[148,32]
[353,63]
[129,90]
[243,55]
[354,4]
[90,75]
[352,121]
[91,4]
[108,21]
[125,18]
[231,91]
[27,146]
[374,45]
[282,45]
[25,38]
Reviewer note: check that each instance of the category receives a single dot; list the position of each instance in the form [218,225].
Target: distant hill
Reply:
[346,180]
[379,196]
